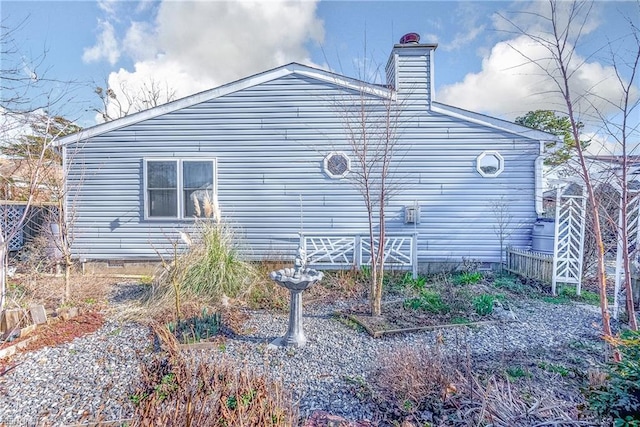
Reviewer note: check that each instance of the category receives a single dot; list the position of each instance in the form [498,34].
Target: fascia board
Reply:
[496,123]
[293,68]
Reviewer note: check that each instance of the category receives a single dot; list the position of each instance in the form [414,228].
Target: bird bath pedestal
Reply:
[296,280]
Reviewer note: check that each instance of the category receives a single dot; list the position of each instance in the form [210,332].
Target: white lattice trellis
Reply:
[10,216]
[569,239]
[346,250]
[330,250]
[397,251]
[633,231]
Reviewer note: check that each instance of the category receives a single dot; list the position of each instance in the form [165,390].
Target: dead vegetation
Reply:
[179,391]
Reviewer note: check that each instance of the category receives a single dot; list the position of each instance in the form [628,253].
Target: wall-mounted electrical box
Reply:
[412,214]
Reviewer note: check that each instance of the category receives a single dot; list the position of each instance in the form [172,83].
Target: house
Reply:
[274,151]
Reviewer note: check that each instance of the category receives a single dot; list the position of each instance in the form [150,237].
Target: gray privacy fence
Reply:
[17,235]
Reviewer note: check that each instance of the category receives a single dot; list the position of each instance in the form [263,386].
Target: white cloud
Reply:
[139,41]
[108,6]
[106,46]
[468,16]
[198,45]
[510,85]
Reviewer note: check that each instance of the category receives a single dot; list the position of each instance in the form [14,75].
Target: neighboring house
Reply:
[272,149]
[15,180]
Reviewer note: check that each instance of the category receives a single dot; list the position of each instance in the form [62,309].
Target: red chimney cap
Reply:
[410,38]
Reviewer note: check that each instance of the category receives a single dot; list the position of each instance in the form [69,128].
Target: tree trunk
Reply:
[374,303]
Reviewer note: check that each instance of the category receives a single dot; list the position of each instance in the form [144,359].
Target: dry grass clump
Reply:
[205,274]
[180,392]
[48,290]
[498,403]
[411,379]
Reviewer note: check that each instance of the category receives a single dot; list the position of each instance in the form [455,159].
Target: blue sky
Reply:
[193,46]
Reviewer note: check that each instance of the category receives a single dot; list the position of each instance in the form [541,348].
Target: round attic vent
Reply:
[410,38]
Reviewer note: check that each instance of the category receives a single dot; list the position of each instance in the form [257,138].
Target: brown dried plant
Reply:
[413,378]
[178,391]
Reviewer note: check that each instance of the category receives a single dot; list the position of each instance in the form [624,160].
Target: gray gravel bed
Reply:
[337,356]
[93,377]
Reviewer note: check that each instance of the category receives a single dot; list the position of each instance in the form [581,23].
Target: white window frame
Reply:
[180,185]
[325,164]
[486,154]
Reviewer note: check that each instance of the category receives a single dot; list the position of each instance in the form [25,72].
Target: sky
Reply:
[184,47]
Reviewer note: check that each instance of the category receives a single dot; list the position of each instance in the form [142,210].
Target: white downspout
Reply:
[539,190]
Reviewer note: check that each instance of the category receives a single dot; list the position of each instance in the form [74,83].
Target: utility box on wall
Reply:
[412,214]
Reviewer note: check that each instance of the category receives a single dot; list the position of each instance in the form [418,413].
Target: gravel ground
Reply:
[92,377]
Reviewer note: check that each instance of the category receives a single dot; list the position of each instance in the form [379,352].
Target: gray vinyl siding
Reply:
[269,141]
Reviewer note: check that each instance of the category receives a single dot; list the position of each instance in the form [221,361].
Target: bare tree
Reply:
[125,99]
[503,227]
[371,130]
[45,130]
[565,22]
[26,94]
[624,131]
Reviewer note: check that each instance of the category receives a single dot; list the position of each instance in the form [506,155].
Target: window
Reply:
[337,164]
[179,188]
[490,164]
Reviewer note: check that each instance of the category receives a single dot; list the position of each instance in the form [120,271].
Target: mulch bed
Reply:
[57,332]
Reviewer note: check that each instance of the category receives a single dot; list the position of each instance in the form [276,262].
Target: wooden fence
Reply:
[534,265]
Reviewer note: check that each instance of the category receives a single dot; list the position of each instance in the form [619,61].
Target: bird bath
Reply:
[295,279]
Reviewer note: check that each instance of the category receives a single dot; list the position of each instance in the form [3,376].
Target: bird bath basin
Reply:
[296,280]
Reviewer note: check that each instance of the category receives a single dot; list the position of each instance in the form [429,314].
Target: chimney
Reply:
[410,71]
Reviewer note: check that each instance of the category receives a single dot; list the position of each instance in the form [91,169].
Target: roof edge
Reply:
[496,123]
[244,83]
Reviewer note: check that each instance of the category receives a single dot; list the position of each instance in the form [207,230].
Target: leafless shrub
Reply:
[176,391]
[413,379]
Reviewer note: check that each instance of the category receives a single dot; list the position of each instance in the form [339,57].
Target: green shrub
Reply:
[468,278]
[585,296]
[517,372]
[213,266]
[511,284]
[484,304]
[196,328]
[619,396]
[417,285]
[428,301]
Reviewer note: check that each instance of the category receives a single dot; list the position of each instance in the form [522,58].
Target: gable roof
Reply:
[247,82]
[315,73]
